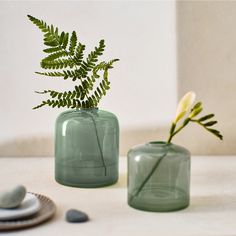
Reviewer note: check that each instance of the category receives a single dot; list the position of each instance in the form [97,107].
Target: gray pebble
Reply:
[12,198]
[75,216]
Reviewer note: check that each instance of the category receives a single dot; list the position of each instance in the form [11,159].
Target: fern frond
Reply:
[103,66]
[59,103]
[65,40]
[79,54]
[65,59]
[41,24]
[56,55]
[92,58]
[104,85]
[57,64]
[73,42]
[51,36]
[70,74]
[110,63]
[81,91]
[56,94]
[52,74]
[41,105]
[52,49]
[69,99]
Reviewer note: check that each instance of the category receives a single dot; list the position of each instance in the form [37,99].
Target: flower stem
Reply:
[173,132]
[148,176]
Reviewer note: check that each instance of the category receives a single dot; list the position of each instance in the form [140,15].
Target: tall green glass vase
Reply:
[158,177]
[86,148]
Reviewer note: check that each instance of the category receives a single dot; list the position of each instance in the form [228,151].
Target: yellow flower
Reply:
[184,105]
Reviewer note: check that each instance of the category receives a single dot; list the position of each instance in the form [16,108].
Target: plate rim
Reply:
[36,219]
[25,214]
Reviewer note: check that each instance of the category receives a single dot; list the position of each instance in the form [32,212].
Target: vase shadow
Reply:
[212,203]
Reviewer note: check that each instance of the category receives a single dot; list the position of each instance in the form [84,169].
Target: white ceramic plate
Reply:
[46,212]
[29,206]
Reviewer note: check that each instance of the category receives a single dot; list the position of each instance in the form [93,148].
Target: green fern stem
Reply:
[99,145]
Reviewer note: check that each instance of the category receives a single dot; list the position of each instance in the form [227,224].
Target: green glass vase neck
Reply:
[158,144]
[92,109]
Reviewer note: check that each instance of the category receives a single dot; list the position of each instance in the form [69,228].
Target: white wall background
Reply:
[140,33]
[207,64]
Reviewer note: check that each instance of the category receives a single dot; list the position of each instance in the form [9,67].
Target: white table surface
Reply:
[212,210]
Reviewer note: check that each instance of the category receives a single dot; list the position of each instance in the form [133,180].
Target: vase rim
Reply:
[157,143]
[87,109]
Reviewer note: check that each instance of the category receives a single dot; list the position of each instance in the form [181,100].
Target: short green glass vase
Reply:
[86,148]
[158,177]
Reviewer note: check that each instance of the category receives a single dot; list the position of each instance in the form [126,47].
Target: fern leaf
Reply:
[43,92]
[73,66]
[110,63]
[103,66]
[41,24]
[53,74]
[92,58]
[61,99]
[57,64]
[65,41]
[73,42]
[52,49]
[79,54]
[51,42]
[55,56]
[41,105]
[51,36]
[61,37]
[70,73]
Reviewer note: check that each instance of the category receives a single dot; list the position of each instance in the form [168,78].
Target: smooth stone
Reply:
[75,216]
[12,198]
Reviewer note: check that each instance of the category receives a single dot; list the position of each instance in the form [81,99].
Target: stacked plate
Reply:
[34,210]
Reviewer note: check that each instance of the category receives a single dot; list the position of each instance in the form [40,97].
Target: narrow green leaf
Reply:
[216,133]
[210,123]
[206,117]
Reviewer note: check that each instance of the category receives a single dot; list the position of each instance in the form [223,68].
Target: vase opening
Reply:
[157,143]
[87,109]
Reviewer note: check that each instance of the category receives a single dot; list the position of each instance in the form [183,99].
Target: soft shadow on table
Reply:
[212,203]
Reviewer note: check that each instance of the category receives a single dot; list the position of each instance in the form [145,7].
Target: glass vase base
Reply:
[160,199]
[82,177]
[86,185]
